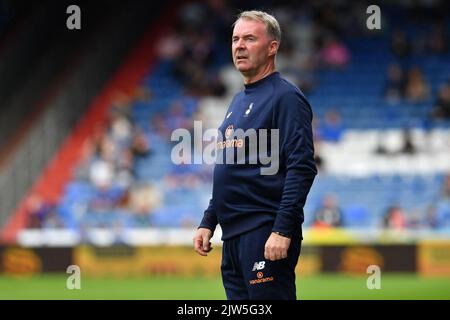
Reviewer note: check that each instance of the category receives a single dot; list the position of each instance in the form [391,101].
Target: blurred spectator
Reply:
[439,38]
[192,46]
[395,218]
[441,108]
[414,220]
[334,53]
[107,149]
[416,88]
[431,219]
[105,199]
[101,174]
[41,214]
[196,56]
[120,131]
[332,128]
[220,18]
[192,16]
[443,204]
[124,169]
[120,106]
[408,145]
[400,44]
[170,46]
[329,214]
[141,144]
[144,199]
[395,84]
[380,147]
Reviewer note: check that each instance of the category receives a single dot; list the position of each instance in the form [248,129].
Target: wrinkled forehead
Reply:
[245,26]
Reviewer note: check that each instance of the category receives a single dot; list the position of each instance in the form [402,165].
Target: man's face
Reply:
[250,46]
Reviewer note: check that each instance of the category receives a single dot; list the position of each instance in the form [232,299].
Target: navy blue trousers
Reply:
[247,275]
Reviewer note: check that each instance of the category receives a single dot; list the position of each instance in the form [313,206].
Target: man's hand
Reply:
[276,247]
[201,241]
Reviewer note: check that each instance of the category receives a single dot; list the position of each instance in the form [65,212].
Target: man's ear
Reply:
[273,47]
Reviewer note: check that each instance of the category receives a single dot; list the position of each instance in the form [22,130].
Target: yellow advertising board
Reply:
[136,261]
[433,258]
[163,260]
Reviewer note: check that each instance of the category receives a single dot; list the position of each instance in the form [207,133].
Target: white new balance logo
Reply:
[259,265]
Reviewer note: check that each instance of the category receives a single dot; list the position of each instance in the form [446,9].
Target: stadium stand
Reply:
[384,153]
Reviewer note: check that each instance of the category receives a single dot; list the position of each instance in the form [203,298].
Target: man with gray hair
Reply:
[261,215]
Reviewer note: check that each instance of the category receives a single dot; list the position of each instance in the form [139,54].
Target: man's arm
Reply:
[209,220]
[205,231]
[293,118]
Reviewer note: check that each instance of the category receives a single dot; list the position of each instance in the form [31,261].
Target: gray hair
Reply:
[272,26]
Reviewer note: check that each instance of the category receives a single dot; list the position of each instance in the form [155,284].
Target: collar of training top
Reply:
[261,81]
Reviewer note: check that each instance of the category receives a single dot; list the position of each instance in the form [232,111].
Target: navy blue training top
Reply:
[244,199]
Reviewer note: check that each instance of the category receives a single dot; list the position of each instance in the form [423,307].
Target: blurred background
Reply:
[86,118]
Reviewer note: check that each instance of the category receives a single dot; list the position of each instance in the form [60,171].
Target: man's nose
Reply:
[239,44]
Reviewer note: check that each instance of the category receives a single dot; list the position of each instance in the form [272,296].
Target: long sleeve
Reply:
[293,117]
[209,220]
